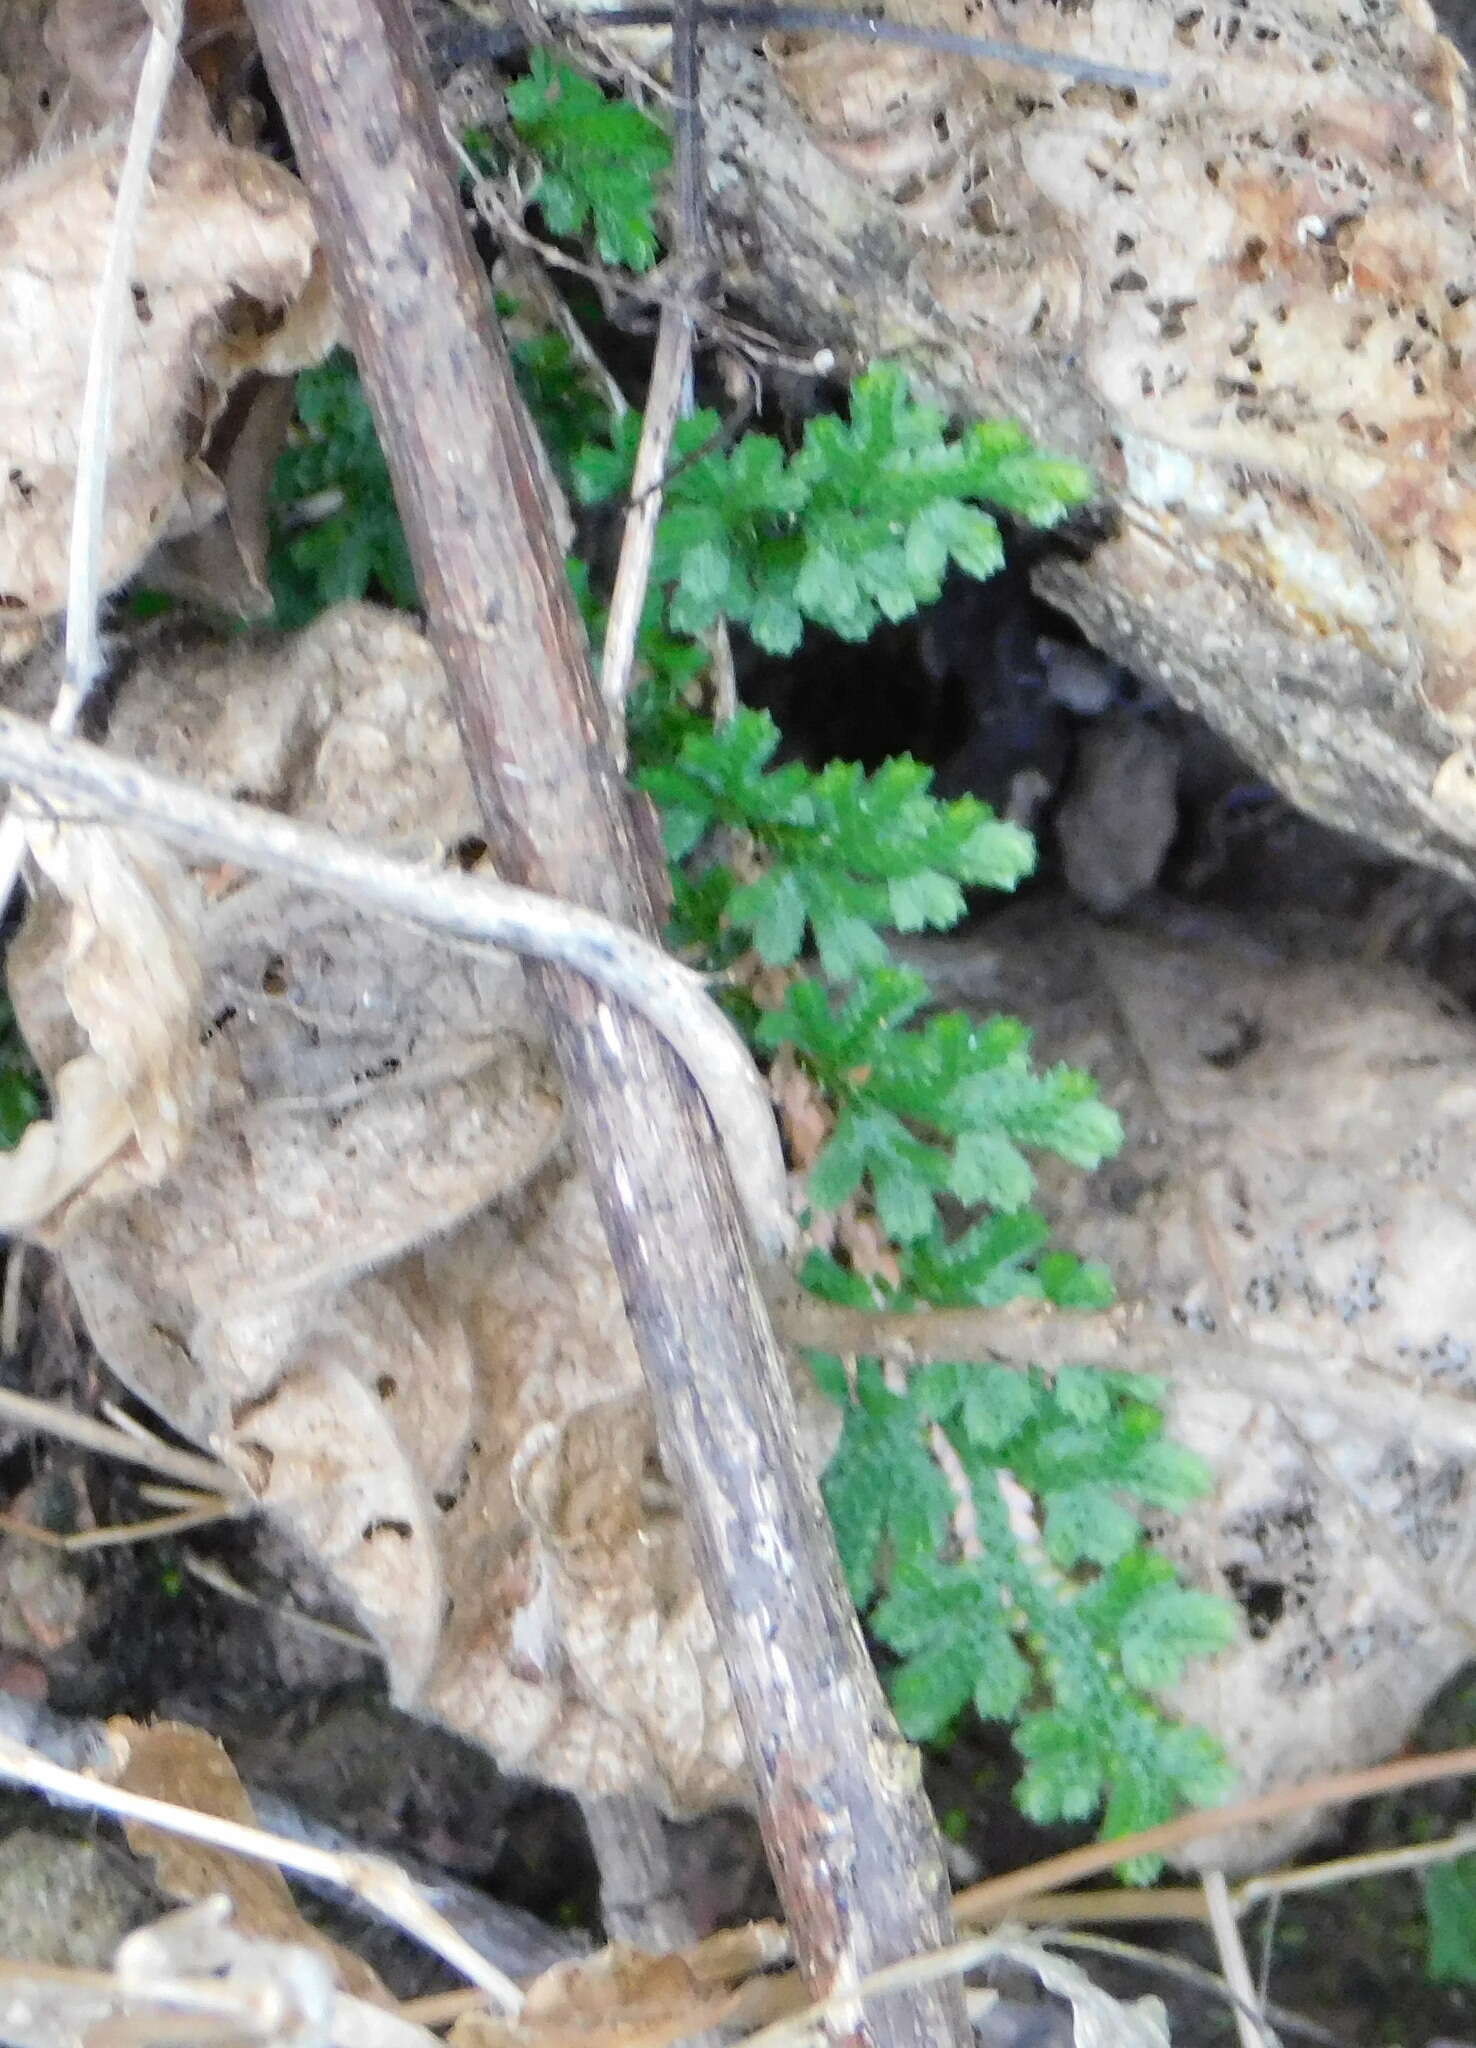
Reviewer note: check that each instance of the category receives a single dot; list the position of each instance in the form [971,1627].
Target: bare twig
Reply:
[113,1442]
[641,1902]
[214,1574]
[512,1941]
[371,1878]
[12,1294]
[1128,1904]
[793,2028]
[82,655]
[867,28]
[469,907]
[667,400]
[741,336]
[1131,1339]
[853,1844]
[989,1900]
[95,423]
[1283,1884]
[1250,2024]
[722,675]
[209,1508]
[670,393]
[686,102]
[530,276]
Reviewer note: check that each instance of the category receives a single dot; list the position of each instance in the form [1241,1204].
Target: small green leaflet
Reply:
[599,159]
[1450,1910]
[883,1485]
[949,1623]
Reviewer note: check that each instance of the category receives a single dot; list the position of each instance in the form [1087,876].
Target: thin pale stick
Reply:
[669,394]
[1168,1902]
[1338,1788]
[665,403]
[214,1575]
[118,1533]
[121,1419]
[912,1970]
[1282,1884]
[1268,1950]
[740,335]
[168,1496]
[968,1955]
[10,1300]
[189,1466]
[722,675]
[1131,1339]
[670,996]
[83,659]
[373,1878]
[1250,2024]
[534,279]
[531,277]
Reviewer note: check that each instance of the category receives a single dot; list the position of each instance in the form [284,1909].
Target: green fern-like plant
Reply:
[859,524]
[1054,1616]
[1057,1619]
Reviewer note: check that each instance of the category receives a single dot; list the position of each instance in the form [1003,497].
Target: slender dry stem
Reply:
[988,1901]
[1282,1884]
[1250,2024]
[667,400]
[372,1878]
[670,996]
[190,1466]
[82,655]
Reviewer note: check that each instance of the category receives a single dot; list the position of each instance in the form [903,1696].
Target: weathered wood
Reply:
[1247,300]
[839,1793]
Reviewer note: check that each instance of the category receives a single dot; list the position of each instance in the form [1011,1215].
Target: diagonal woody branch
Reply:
[852,1842]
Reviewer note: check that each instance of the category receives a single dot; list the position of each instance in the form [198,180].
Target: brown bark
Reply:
[854,1850]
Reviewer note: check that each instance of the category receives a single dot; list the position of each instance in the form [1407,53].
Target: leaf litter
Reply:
[309,1176]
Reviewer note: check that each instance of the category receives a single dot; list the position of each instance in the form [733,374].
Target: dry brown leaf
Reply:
[175,1761]
[375,1283]
[123,923]
[100,46]
[578,1640]
[224,282]
[619,1998]
[224,562]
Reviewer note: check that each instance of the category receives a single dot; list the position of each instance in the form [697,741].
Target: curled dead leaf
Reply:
[178,1762]
[374,1282]
[224,282]
[123,920]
